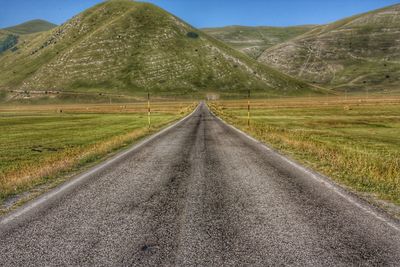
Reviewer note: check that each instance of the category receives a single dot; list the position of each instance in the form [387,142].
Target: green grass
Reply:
[255,40]
[126,47]
[32,26]
[38,144]
[352,54]
[355,143]
[11,36]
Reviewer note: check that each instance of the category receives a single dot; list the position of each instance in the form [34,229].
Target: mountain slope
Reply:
[255,40]
[32,26]
[7,40]
[9,37]
[355,53]
[129,47]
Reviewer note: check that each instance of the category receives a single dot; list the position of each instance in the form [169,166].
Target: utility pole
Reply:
[148,110]
[248,108]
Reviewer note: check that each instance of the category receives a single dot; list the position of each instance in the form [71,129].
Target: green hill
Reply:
[255,40]
[127,47]
[9,37]
[358,53]
[32,26]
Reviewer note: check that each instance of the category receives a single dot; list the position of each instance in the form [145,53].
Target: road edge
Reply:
[79,178]
[344,193]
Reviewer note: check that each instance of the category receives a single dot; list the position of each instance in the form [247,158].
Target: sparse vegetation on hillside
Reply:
[255,40]
[130,47]
[10,37]
[32,26]
[356,53]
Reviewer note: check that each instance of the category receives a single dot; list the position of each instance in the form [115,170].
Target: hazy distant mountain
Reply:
[32,26]
[130,47]
[255,40]
[355,53]
[10,36]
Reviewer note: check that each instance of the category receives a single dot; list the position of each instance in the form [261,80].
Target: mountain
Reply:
[9,37]
[255,40]
[32,26]
[128,47]
[356,53]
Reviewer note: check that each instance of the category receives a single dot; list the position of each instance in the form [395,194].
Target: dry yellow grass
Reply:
[39,143]
[355,141]
[27,173]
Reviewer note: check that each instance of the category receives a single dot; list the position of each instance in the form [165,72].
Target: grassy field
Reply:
[41,144]
[354,141]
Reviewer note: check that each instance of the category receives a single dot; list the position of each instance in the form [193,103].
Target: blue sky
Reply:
[204,13]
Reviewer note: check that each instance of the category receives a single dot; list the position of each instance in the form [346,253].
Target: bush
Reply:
[9,42]
[192,35]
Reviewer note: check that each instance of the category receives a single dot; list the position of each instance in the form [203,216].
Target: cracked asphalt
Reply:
[200,194]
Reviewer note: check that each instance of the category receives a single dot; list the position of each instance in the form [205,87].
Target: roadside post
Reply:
[148,110]
[248,108]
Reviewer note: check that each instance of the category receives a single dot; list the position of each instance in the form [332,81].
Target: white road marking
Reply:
[318,177]
[87,174]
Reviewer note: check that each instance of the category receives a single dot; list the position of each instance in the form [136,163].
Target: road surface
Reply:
[200,193]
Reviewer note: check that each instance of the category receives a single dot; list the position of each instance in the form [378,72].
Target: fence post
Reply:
[148,110]
[248,108]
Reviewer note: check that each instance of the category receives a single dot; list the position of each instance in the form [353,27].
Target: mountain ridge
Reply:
[254,40]
[354,53]
[11,36]
[133,47]
[31,26]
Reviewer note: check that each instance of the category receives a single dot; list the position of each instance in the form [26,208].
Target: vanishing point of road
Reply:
[200,193]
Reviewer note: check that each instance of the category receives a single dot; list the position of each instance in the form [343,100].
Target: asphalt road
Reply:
[200,193]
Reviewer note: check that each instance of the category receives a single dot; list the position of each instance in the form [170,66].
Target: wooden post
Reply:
[148,110]
[248,108]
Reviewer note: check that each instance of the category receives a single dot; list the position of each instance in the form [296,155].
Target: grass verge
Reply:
[354,141]
[39,144]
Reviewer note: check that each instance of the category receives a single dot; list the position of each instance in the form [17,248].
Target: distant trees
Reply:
[10,41]
[192,35]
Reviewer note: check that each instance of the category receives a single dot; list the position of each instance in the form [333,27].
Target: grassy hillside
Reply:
[127,48]
[352,54]
[11,36]
[32,26]
[7,40]
[255,40]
